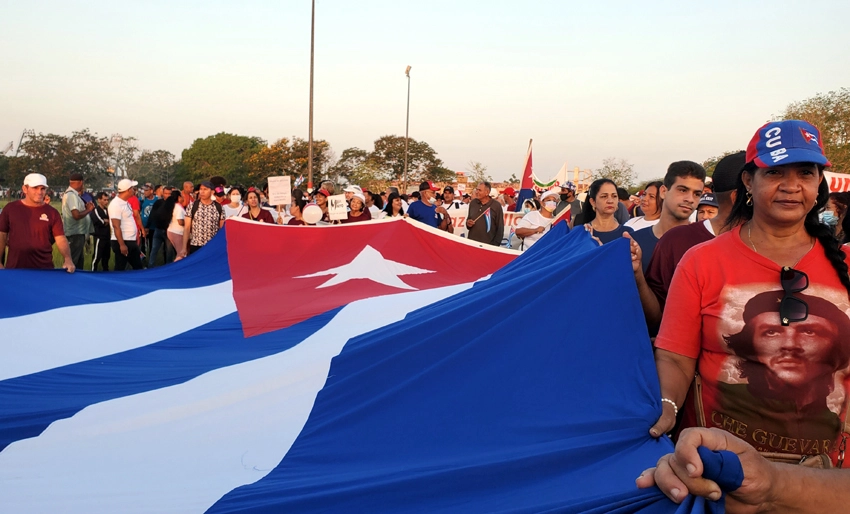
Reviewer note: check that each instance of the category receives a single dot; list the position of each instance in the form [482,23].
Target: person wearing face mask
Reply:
[834,214]
[534,224]
[425,211]
[235,207]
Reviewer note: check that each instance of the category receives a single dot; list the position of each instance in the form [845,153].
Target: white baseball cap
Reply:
[353,189]
[548,194]
[35,180]
[125,184]
[361,197]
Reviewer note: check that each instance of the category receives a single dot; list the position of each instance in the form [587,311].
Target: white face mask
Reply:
[526,210]
[235,198]
[432,200]
[550,206]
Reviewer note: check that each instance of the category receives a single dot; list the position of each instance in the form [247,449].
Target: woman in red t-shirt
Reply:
[761,311]
[255,212]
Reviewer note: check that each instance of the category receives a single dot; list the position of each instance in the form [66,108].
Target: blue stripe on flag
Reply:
[30,403]
[205,267]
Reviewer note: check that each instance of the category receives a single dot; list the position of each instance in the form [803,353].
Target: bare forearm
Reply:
[675,374]
[116,228]
[648,300]
[798,489]
[187,230]
[64,247]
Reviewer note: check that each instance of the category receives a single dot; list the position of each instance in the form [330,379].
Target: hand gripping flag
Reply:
[379,367]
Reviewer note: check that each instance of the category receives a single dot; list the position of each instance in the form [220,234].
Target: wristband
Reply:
[671,402]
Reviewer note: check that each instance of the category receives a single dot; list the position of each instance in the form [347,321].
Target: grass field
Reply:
[57,257]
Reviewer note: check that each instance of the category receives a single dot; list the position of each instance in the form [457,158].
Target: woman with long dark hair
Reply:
[255,209]
[394,208]
[769,279]
[598,211]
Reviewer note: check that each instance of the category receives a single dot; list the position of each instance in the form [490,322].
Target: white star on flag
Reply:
[371,265]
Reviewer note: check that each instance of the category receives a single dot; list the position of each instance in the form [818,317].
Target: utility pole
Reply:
[310,135]
[406,130]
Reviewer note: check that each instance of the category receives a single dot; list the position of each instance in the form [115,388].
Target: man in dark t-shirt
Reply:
[29,228]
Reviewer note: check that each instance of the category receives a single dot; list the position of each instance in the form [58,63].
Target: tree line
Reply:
[246,160]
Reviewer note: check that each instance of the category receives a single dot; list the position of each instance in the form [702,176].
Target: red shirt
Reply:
[31,231]
[363,216]
[294,221]
[781,389]
[137,207]
[264,216]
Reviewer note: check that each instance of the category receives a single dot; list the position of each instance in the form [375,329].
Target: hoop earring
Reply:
[749,199]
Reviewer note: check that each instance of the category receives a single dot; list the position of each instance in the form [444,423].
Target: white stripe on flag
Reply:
[181,448]
[47,340]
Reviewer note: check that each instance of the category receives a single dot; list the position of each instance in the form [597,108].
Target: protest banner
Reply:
[838,182]
[337,207]
[280,191]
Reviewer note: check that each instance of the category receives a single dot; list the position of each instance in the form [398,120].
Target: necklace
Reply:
[750,237]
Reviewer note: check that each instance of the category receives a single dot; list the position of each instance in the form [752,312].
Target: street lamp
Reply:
[406,128]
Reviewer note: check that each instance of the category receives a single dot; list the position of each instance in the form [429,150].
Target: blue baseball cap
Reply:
[708,199]
[786,142]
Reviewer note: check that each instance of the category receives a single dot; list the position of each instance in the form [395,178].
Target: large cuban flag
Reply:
[380,367]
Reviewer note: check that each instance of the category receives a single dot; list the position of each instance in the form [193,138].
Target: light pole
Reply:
[406,129]
[310,135]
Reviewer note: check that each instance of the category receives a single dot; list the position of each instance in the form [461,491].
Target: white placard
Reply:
[280,191]
[461,187]
[337,207]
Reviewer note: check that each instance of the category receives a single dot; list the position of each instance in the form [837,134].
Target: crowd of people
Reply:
[742,276]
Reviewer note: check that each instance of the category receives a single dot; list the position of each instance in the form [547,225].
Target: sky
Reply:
[650,82]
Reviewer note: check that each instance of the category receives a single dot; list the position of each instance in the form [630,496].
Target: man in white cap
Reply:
[29,228]
[124,230]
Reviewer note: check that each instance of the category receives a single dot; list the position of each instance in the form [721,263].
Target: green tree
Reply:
[513,179]
[478,172]
[287,157]
[619,170]
[156,167]
[388,158]
[830,113]
[222,154]
[56,157]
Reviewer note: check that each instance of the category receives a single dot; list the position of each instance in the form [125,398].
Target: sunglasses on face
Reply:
[792,308]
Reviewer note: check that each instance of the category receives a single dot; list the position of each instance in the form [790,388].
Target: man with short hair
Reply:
[202,221]
[125,229]
[449,201]
[485,221]
[425,211]
[678,240]
[29,227]
[75,219]
[187,194]
[102,232]
[466,199]
[680,192]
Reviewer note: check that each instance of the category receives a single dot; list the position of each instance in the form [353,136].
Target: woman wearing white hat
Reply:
[534,224]
[358,210]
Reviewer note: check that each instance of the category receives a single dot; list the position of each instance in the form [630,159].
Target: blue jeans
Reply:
[160,240]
